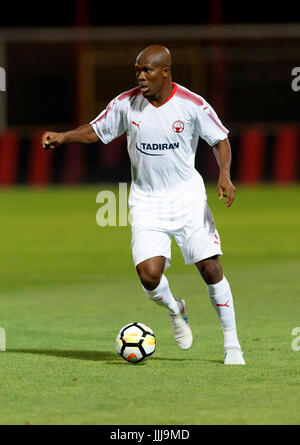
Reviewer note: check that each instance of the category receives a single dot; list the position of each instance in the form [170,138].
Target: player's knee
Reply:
[211,270]
[150,277]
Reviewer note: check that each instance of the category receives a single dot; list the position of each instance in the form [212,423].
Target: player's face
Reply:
[150,78]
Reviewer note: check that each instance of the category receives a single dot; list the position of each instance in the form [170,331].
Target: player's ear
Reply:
[166,71]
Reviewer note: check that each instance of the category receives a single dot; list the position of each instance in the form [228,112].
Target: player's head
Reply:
[153,69]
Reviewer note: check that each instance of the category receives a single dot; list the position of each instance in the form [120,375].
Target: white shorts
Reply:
[198,239]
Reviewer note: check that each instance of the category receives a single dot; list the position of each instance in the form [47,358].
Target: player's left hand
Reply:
[226,189]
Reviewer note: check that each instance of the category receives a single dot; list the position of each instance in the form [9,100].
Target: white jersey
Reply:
[161,141]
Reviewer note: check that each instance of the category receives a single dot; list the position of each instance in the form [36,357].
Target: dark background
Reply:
[246,80]
[66,13]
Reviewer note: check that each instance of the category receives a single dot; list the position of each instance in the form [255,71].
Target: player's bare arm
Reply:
[84,134]
[226,189]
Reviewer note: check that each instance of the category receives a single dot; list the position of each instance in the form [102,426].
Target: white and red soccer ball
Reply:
[135,342]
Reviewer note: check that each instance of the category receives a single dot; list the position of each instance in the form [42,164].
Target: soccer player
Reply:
[163,121]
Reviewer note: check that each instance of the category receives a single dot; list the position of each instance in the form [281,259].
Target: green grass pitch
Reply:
[67,286]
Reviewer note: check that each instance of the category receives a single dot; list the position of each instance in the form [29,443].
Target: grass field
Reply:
[67,286]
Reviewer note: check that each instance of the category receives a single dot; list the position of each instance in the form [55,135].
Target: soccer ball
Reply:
[135,342]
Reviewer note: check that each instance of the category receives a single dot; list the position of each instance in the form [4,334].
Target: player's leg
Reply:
[155,283]
[220,295]
[151,252]
[221,298]
[200,244]
[156,287]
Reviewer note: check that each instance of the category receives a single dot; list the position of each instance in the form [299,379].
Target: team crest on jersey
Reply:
[178,126]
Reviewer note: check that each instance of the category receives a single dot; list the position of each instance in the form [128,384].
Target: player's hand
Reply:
[51,140]
[226,189]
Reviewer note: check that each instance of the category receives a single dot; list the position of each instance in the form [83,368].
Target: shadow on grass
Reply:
[80,355]
[96,356]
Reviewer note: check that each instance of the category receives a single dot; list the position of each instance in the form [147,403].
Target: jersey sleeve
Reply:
[209,125]
[109,124]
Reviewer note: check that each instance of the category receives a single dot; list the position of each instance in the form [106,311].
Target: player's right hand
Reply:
[51,140]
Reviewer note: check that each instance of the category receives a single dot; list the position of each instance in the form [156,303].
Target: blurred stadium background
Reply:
[65,63]
[68,286]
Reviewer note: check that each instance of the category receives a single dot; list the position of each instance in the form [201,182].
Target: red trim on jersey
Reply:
[217,123]
[168,98]
[101,117]
[133,92]
[172,93]
[188,95]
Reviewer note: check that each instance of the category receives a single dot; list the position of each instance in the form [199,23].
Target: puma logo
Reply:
[138,125]
[226,304]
